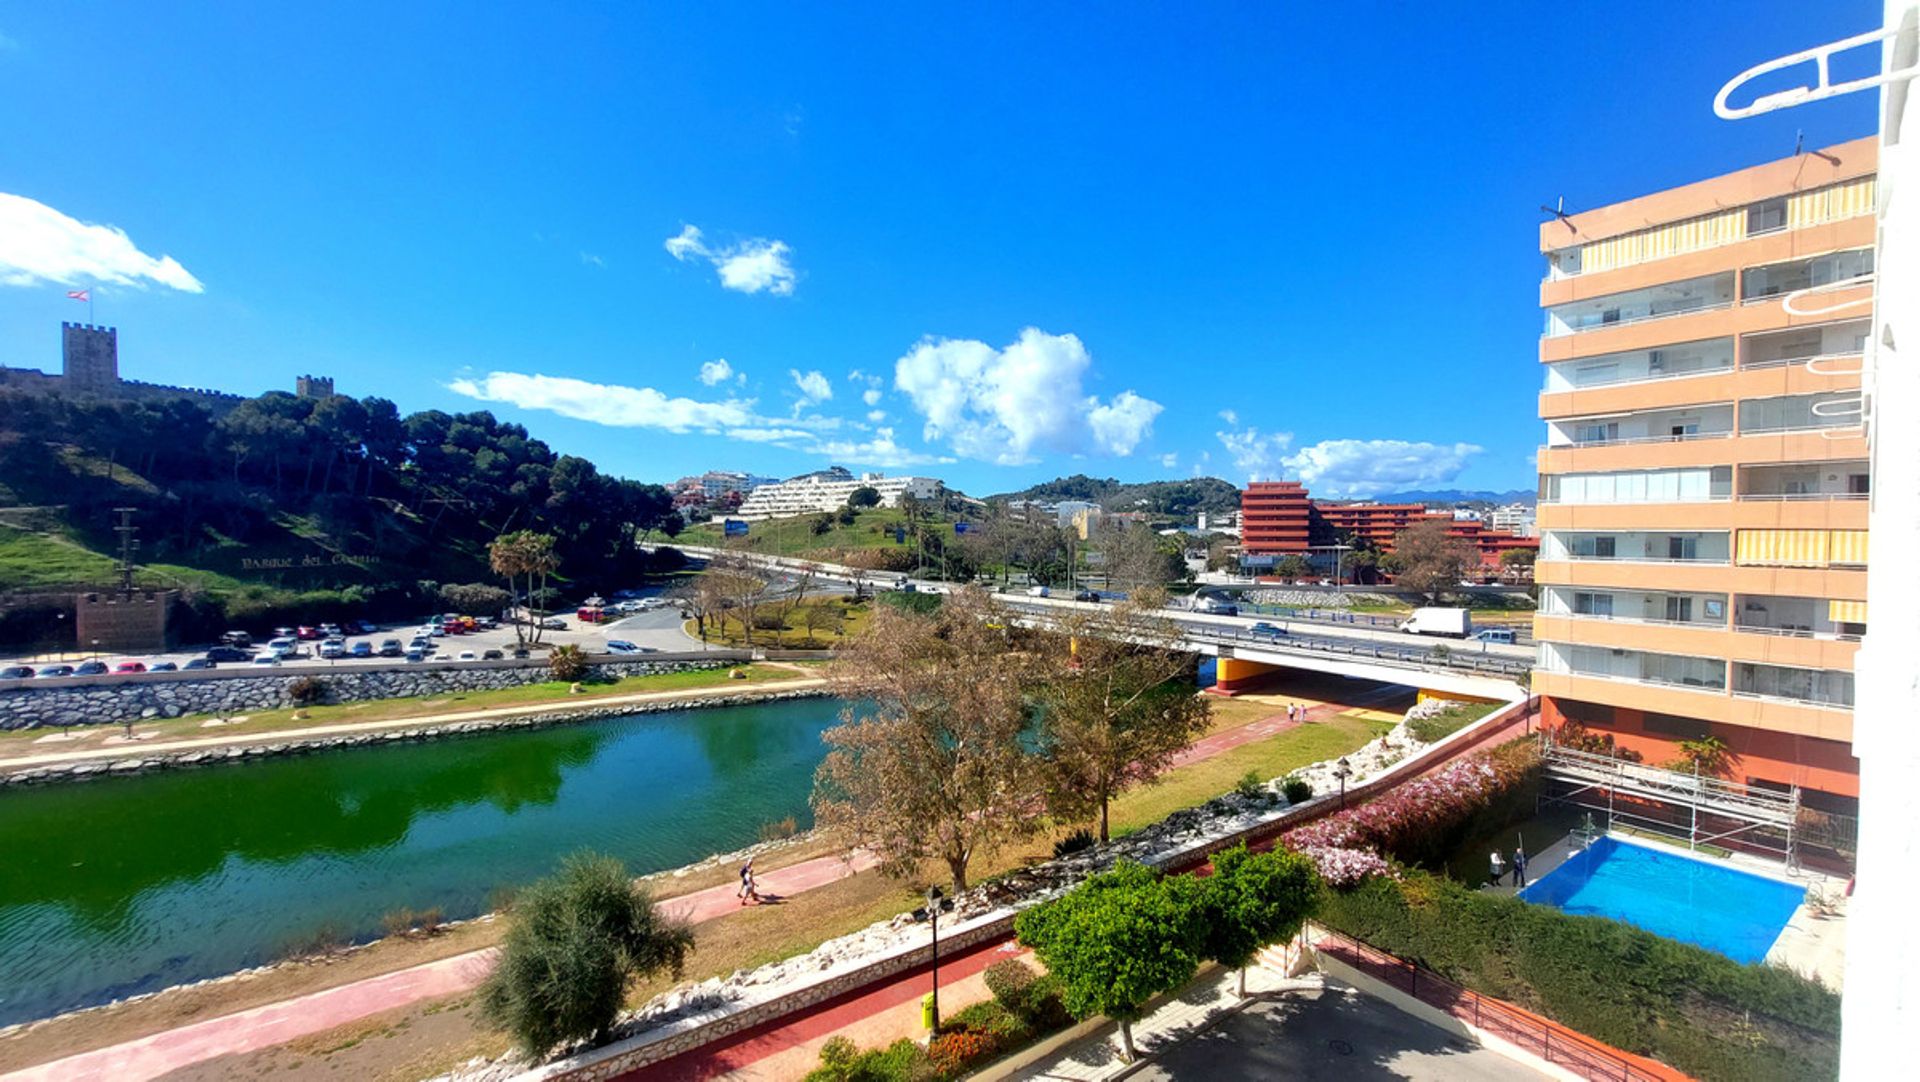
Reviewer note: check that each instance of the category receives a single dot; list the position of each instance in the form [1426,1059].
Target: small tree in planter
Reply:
[1117,940]
[1253,899]
[304,692]
[567,664]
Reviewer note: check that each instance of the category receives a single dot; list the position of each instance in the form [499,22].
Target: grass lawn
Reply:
[731,632]
[872,528]
[21,742]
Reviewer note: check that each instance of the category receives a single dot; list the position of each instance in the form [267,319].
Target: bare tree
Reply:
[937,770]
[822,616]
[1117,706]
[738,589]
[1428,559]
[1137,557]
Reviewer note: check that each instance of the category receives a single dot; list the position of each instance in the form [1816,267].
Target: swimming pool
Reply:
[1735,913]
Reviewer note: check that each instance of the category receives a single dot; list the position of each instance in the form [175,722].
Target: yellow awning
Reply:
[1832,203]
[1783,548]
[1848,547]
[1677,238]
[1847,612]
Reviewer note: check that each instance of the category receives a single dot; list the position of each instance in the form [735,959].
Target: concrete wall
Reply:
[109,700]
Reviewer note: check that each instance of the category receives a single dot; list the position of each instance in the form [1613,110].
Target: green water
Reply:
[119,887]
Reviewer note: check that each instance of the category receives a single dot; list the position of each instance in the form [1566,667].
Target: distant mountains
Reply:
[1213,494]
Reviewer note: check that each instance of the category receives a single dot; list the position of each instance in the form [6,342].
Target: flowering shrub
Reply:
[955,1050]
[1343,868]
[1411,814]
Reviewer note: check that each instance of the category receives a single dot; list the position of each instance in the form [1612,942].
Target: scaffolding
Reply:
[1691,807]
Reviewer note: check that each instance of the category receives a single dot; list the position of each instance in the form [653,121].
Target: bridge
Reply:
[1444,668]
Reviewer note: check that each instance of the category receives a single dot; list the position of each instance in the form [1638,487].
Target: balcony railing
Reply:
[1792,701]
[1796,633]
[1581,328]
[1577,558]
[1645,681]
[1623,381]
[1624,441]
[1810,360]
[1778,497]
[1704,625]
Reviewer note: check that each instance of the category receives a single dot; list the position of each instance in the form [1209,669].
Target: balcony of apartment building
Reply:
[1639,438]
[1813,634]
[1805,482]
[1661,301]
[1825,688]
[1821,276]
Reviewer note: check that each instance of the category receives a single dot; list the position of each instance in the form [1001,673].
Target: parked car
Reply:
[492,655]
[90,668]
[621,646]
[391,648]
[130,666]
[17,672]
[201,663]
[468,655]
[363,648]
[1087,595]
[333,648]
[522,652]
[283,633]
[307,633]
[486,623]
[1039,591]
[267,660]
[163,666]
[553,623]
[331,631]
[1267,631]
[54,670]
[416,655]
[284,648]
[228,653]
[361,627]
[236,638]
[443,657]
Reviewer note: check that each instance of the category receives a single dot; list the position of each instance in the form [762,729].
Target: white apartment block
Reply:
[810,495]
[1514,518]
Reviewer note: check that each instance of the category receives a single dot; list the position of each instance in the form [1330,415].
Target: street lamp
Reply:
[933,919]
[1343,770]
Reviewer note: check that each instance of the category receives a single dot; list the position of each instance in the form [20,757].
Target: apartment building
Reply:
[1703,511]
[813,493]
[1279,518]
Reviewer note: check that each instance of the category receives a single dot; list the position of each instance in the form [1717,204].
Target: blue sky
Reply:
[993,244]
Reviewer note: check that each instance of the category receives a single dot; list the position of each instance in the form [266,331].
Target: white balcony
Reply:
[1638,305]
[1641,365]
[1652,426]
[1664,547]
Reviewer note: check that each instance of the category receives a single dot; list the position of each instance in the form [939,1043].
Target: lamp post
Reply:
[1343,770]
[933,920]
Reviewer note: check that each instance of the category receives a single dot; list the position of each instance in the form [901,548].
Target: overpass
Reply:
[1445,668]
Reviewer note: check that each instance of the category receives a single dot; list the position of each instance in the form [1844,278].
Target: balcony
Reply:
[1635,666]
[1708,611]
[1815,481]
[1828,349]
[1799,617]
[1641,365]
[1702,484]
[1760,284]
[1637,547]
[1636,306]
[1654,426]
[1805,687]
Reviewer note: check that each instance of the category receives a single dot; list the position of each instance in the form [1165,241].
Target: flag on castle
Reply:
[80,295]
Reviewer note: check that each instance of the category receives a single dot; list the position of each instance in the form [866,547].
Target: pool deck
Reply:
[1813,946]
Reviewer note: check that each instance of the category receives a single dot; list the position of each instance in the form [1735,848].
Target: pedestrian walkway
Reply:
[273,1024]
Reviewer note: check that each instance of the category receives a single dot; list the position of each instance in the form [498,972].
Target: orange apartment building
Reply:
[1279,518]
[1703,512]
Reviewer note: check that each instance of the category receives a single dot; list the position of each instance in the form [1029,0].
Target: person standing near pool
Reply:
[1519,867]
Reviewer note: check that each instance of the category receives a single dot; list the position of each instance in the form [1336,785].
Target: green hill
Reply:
[1176,498]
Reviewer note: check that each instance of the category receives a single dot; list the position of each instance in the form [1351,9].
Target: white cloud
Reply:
[1169,460]
[767,435]
[717,371]
[43,245]
[876,416]
[881,451]
[813,387]
[1370,467]
[606,404]
[871,396]
[1230,417]
[1007,405]
[754,265]
[1352,468]
[592,260]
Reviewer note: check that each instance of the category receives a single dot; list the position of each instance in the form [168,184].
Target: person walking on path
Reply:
[1519,867]
[1498,866]
[747,891]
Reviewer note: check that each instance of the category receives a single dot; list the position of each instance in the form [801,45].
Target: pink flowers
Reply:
[1343,868]
[1347,845]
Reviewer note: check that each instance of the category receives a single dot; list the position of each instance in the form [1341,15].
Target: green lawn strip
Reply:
[378,710]
[871,529]
[1197,783]
[730,631]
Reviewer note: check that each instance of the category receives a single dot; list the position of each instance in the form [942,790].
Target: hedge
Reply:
[1696,1010]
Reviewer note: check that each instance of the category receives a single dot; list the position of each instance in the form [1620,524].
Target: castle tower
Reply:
[90,358]
[313,386]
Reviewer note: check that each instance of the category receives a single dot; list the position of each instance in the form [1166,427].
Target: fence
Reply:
[1552,1042]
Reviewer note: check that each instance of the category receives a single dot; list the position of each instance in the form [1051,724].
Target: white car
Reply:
[651,603]
[1038,591]
[467,655]
[283,648]
[266,660]
[622,646]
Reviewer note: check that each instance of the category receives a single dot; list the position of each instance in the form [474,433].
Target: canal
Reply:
[119,887]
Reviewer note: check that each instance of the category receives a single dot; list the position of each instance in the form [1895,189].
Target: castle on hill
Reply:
[90,366]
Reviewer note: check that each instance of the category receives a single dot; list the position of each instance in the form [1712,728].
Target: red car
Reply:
[305,632]
[131,666]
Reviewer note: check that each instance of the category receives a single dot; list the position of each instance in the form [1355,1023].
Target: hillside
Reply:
[1178,498]
[872,531]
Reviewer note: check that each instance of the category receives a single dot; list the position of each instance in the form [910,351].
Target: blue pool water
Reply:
[1709,905]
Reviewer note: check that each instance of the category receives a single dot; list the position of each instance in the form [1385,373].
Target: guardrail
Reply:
[1556,1044]
[1455,658]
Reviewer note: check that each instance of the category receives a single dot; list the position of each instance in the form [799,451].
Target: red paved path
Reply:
[277,1023]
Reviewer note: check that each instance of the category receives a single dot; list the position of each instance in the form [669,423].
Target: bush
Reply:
[567,664]
[1075,842]
[955,1051]
[1297,790]
[1010,981]
[573,942]
[901,1061]
[769,621]
[779,828]
[1699,1011]
[405,922]
[1249,787]
[306,691]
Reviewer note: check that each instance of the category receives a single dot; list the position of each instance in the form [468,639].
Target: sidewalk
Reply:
[277,1023]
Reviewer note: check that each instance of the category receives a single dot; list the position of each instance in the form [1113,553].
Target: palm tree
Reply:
[529,556]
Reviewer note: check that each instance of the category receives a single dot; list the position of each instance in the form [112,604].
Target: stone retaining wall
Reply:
[114,700]
[138,764]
